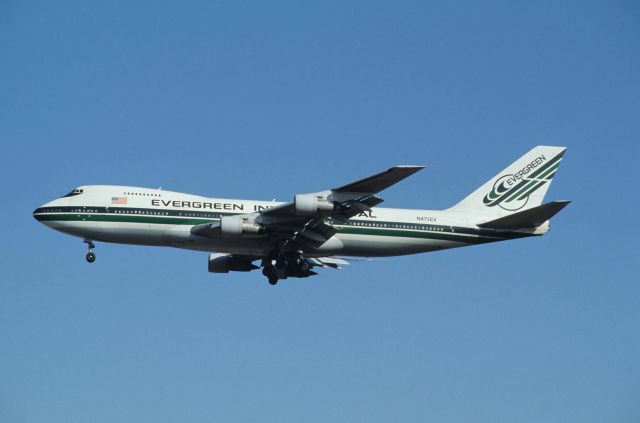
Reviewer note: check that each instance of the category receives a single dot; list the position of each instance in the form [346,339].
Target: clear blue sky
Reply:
[268,99]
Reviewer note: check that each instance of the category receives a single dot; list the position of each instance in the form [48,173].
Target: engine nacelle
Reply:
[306,204]
[225,263]
[237,225]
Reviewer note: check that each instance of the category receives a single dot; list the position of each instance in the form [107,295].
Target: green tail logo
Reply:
[511,192]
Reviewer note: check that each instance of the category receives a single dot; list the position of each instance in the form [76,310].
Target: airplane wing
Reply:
[349,199]
[306,221]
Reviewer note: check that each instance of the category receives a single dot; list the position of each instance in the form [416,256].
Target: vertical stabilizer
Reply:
[521,186]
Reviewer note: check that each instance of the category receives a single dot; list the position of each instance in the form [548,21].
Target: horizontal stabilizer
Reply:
[530,218]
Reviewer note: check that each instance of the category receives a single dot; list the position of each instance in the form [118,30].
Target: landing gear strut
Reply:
[301,263]
[91,256]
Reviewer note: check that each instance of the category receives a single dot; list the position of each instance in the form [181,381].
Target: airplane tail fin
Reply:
[519,187]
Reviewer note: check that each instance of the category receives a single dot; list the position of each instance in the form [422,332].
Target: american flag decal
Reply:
[118,200]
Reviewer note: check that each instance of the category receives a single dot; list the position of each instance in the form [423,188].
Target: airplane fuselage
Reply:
[291,239]
[142,216]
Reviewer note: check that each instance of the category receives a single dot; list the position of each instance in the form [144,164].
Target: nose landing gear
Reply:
[91,256]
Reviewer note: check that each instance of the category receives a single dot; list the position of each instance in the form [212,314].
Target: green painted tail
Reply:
[521,186]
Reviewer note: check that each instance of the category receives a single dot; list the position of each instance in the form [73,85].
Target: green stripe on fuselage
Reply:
[355,230]
[357,227]
[91,217]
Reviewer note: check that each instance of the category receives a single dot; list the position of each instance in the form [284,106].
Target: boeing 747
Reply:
[316,230]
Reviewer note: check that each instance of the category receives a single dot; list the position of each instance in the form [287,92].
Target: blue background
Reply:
[264,100]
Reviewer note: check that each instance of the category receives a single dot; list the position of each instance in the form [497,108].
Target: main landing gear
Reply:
[284,266]
[91,256]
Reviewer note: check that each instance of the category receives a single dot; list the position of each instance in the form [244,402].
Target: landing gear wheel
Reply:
[281,263]
[268,270]
[91,257]
[271,273]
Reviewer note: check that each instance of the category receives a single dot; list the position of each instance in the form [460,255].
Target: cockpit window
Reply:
[76,191]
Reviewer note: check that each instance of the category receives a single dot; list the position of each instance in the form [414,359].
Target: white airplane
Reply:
[291,239]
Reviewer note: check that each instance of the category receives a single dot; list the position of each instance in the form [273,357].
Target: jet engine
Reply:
[225,263]
[306,204]
[238,225]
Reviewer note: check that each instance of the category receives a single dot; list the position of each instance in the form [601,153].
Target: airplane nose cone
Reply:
[40,214]
[49,213]
[37,214]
